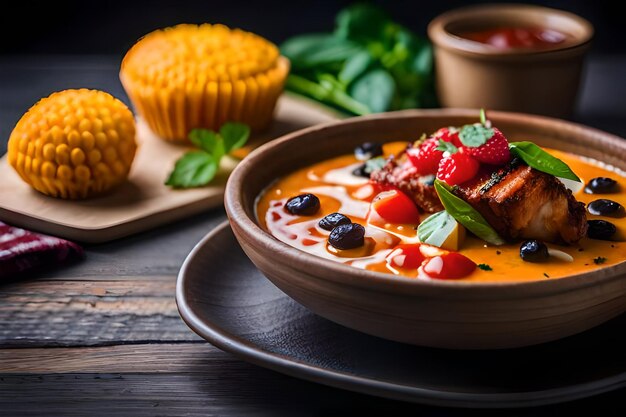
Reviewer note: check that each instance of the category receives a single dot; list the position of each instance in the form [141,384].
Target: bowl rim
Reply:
[441,37]
[380,281]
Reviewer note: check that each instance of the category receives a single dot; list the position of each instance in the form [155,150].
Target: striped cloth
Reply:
[21,251]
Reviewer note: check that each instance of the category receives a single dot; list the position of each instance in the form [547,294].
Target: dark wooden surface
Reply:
[104,337]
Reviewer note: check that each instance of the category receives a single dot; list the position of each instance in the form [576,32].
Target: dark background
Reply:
[111,27]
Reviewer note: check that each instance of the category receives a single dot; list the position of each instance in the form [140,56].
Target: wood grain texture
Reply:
[74,313]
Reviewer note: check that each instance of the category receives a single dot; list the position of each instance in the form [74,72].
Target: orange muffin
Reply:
[191,76]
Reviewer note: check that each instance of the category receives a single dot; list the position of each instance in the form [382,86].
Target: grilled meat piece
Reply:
[521,202]
[398,172]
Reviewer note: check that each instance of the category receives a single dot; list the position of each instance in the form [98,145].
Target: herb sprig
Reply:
[198,167]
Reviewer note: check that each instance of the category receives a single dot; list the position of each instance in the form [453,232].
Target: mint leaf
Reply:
[537,158]
[205,139]
[193,169]
[446,147]
[466,214]
[234,135]
[476,135]
[197,168]
[484,267]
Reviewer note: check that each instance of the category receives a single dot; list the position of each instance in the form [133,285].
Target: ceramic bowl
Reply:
[473,75]
[447,314]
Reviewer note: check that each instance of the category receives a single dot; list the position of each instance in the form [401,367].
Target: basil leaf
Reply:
[309,51]
[436,228]
[362,23]
[205,139]
[466,214]
[375,89]
[537,158]
[446,147]
[355,66]
[234,135]
[193,169]
[476,135]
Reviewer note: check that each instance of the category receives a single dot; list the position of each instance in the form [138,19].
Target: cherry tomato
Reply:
[395,207]
[451,265]
[406,256]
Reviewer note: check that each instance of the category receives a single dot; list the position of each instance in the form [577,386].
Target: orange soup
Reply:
[340,191]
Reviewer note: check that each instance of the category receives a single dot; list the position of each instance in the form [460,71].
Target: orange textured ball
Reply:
[74,144]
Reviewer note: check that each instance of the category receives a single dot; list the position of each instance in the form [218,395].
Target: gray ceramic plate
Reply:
[227,301]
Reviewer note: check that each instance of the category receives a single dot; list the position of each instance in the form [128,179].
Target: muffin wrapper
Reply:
[172,113]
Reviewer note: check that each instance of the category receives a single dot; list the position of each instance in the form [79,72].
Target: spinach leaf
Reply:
[466,214]
[541,160]
[355,66]
[375,89]
[362,23]
[309,51]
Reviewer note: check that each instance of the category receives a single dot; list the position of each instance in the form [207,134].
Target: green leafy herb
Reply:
[475,135]
[315,50]
[355,66]
[484,267]
[541,160]
[368,64]
[197,168]
[466,214]
[447,147]
[599,260]
[436,228]
[375,89]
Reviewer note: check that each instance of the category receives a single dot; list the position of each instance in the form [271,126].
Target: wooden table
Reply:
[104,336]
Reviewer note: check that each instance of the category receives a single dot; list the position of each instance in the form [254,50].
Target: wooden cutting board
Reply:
[143,202]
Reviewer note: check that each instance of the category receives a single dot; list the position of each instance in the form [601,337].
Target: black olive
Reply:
[368,150]
[533,251]
[600,229]
[347,236]
[604,207]
[333,220]
[361,171]
[602,185]
[303,205]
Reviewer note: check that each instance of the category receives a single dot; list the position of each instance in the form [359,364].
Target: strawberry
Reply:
[458,167]
[495,151]
[426,158]
[448,134]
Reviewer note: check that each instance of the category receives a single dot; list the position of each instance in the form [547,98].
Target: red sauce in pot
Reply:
[517,37]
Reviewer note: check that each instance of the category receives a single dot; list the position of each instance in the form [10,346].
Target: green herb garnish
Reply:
[484,267]
[368,64]
[436,228]
[197,168]
[541,160]
[466,214]
[599,260]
